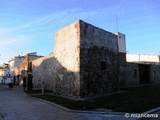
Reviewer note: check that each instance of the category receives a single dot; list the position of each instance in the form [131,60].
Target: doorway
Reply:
[144,74]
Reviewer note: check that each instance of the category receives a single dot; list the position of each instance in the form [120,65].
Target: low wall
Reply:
[55,76]
[129,75]
[42,70]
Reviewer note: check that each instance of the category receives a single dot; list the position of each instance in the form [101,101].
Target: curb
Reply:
[86,112]
[152,111]
[48,102]
[73,111]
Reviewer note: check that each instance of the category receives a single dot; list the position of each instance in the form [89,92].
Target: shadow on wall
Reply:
[99,71]
[55,77]
[98,74]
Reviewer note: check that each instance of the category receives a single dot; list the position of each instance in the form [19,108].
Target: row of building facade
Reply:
[87,61]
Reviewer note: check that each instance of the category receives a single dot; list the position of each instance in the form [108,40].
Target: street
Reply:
[14,105]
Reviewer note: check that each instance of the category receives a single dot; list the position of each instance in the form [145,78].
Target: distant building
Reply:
[140,69]
[14,62]
[1,74]
[143,58]
[25,66]
[5,73]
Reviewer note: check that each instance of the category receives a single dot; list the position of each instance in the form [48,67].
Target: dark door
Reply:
[144,74]
[30,77]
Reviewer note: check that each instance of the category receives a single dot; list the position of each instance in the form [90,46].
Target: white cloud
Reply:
[15,40]
[23,35]
[3,31]
[57,18]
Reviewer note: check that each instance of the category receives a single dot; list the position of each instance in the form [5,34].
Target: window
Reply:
[135,73]
[103,65]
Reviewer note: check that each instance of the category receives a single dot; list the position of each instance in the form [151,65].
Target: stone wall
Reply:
[99,68]
[42,70]
[155,73]
[60,71]
[131,74]
[85,62]
[55,76]
[67,54]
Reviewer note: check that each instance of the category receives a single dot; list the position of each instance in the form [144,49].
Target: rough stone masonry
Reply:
[84,62]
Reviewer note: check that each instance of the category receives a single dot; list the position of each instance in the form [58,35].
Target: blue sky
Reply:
[29,25]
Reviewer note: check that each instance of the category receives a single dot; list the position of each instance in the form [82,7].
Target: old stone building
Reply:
[84,63]
[89,61]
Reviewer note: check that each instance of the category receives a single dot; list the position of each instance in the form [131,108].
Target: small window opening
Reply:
[103,65]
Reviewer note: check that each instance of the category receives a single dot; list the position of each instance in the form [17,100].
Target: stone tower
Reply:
[87,59]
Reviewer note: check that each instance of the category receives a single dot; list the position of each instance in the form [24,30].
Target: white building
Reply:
[14,62]
[1,74]
[143,58]
[7,70]
[5,73]
[121,42]
[121,48]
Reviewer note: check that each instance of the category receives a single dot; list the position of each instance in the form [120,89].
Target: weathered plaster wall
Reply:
[42,71]
[55,76]
[99,66]
[60,71]
[67,46]
[67,54]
